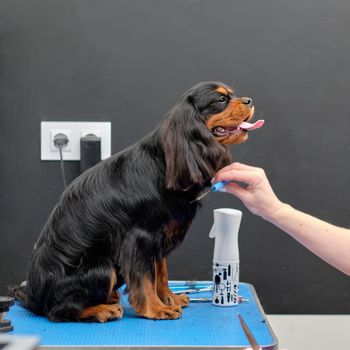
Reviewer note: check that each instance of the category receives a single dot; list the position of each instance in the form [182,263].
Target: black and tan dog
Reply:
[118,221]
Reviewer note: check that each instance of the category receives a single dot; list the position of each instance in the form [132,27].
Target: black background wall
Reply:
[128,62]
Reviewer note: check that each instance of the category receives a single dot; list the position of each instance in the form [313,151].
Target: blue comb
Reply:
[218,185]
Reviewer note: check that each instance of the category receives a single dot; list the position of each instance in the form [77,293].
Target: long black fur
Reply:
[114,215]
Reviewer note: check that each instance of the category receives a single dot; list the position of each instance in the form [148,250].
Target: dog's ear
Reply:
[191,153]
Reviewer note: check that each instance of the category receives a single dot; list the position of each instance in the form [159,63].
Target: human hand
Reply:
[257,196]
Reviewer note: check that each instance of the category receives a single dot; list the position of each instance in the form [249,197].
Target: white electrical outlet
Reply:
[53,133]
[74,131]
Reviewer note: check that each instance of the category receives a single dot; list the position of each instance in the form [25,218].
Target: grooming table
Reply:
[202,325]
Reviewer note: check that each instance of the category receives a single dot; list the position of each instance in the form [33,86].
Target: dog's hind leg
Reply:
[87,296]
[112,310]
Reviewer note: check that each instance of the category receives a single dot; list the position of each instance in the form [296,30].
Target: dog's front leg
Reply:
[139,271]
[163,291]
[146,303]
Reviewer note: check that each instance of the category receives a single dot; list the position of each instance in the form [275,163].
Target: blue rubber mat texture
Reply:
[202,324]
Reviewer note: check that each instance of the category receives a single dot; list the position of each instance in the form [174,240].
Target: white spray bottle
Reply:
[226,256]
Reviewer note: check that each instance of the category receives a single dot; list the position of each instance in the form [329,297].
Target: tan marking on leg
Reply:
[113,295]
[163,291]
[102,312]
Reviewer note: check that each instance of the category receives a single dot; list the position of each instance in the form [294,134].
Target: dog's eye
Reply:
[222,99]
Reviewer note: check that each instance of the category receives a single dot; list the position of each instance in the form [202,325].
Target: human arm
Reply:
[329,242]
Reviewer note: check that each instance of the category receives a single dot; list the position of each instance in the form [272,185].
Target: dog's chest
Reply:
[174,232]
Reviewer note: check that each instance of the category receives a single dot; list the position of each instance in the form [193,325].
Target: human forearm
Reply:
[329,242]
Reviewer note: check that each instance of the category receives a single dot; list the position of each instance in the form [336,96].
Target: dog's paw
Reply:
[114,313]
[182,300]
[170,299]
[102,313]
[164,313]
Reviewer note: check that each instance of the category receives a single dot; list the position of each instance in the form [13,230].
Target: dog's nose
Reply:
[247,101]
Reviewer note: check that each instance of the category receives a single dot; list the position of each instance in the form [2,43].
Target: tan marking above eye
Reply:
[224,90]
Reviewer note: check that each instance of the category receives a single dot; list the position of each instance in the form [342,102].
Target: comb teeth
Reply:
[216,187]
[201,196]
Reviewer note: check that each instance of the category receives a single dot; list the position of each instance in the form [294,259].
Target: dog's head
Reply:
[223,112]
[196,130]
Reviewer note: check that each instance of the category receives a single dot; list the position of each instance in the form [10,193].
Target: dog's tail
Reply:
[18,292]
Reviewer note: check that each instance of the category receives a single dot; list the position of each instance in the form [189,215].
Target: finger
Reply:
[237,165]
[229,167]
[245,176]
[233,167]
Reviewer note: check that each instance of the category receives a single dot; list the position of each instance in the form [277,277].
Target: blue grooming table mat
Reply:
[202,325]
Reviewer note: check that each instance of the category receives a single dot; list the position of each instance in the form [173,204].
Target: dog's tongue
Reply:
[252,126]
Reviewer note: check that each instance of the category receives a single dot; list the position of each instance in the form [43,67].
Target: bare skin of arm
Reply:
[331,243]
